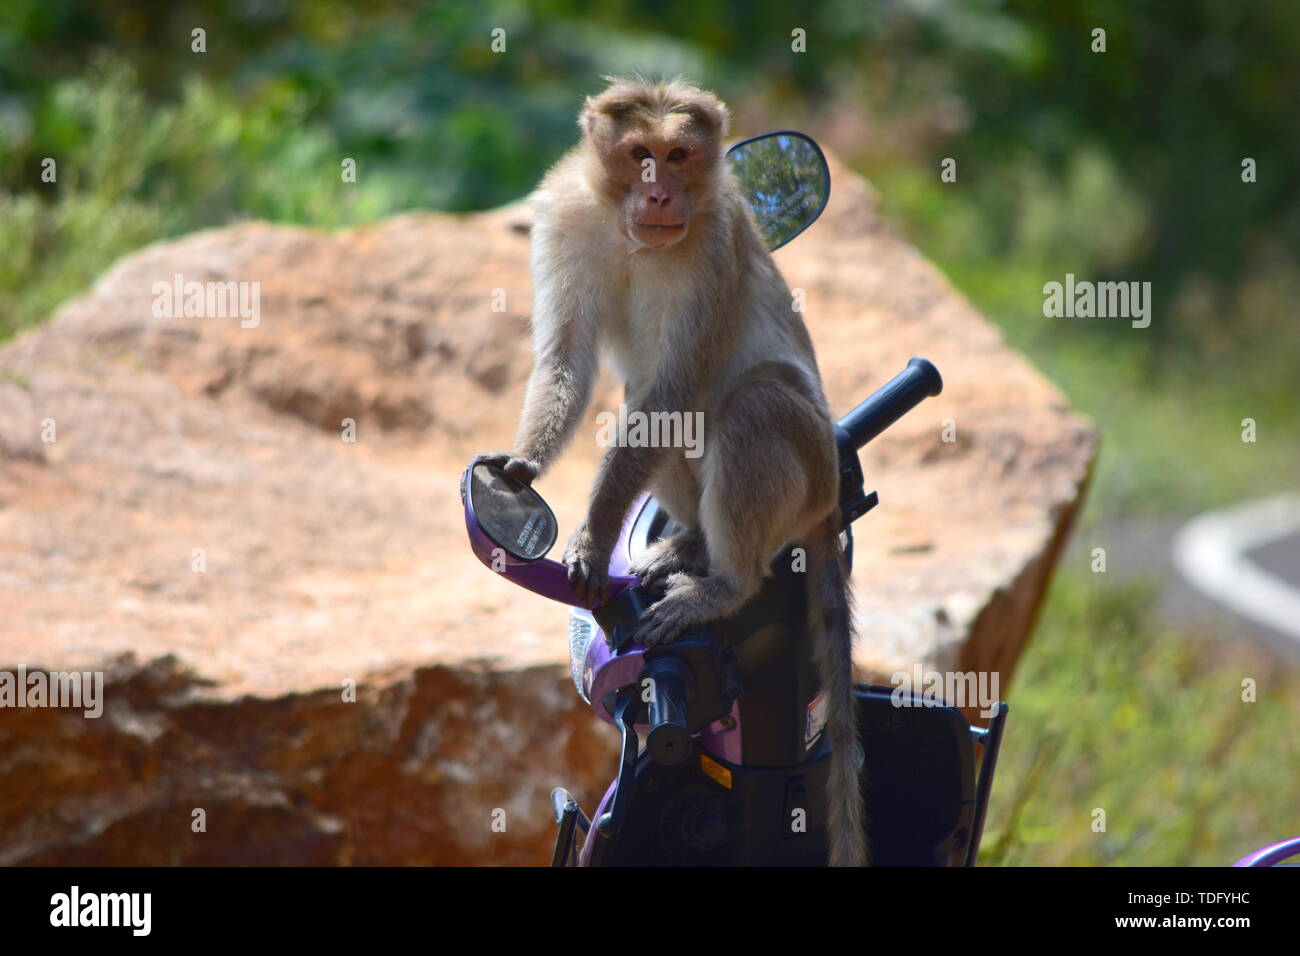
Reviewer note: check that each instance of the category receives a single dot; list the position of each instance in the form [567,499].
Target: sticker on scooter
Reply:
[816,721]
[715,771]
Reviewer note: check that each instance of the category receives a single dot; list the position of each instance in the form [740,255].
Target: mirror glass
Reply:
[786,181]
[511,513]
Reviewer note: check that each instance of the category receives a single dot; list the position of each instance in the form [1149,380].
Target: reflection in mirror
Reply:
[512,514]
[785,180]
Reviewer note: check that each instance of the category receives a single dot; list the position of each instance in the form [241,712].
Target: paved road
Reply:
[1234,573]
[1245,558]
[1282,558]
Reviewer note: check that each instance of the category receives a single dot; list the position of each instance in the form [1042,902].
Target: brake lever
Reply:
[626,708]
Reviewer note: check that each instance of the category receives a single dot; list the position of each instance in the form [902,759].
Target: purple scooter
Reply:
[734,765]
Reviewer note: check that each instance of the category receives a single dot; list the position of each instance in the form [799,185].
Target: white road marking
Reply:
[1210,552]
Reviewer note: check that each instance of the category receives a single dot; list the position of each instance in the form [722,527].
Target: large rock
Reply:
[332,563]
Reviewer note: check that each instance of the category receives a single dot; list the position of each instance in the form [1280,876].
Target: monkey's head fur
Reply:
[654,149]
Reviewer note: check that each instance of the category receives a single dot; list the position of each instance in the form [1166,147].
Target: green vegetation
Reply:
[1123,165]
[1111,710]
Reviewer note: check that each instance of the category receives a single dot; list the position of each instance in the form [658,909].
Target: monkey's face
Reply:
[660,173]
[658,154]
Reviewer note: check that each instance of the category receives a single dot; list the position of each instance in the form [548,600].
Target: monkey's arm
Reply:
[559,389]
[564,354]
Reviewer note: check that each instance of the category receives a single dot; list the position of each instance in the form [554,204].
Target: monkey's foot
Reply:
[685,605]
[683,553]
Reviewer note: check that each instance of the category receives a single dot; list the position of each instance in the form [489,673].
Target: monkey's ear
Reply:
[709,113]
[587,116]
[716,119]
[594,109]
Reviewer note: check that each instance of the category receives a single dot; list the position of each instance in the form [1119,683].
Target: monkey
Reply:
[645,253]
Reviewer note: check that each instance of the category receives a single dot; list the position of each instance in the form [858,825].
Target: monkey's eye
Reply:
[677,155]
[640,153]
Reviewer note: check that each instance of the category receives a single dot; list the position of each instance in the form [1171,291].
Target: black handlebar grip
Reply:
[669,741]
[919,381]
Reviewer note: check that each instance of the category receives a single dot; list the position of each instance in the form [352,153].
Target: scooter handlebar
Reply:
[669,739]
[919,381]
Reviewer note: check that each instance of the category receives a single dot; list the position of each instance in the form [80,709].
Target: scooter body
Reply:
[763,765]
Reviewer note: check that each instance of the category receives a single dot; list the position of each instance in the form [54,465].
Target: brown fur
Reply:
[671,279]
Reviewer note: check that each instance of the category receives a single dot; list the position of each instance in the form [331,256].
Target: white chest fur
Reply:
[653,299]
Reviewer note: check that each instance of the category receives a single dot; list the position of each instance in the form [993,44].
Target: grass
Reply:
[1111,711]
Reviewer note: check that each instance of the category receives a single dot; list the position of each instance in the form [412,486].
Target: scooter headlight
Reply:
[582,631]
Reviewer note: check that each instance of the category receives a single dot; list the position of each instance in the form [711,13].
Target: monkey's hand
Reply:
[588,565]
[523,470]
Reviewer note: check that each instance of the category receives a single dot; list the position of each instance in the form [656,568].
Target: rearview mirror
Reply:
[512,514]
[784,178]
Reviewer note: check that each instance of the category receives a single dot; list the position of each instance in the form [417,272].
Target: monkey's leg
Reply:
[684,553]
[766,479]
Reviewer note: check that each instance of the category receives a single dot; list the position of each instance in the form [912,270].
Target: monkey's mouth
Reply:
[656,235]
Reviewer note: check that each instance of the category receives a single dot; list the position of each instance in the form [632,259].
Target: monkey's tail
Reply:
[846,812]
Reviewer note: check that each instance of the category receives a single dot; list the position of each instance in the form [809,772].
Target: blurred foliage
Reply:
[1123,165]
